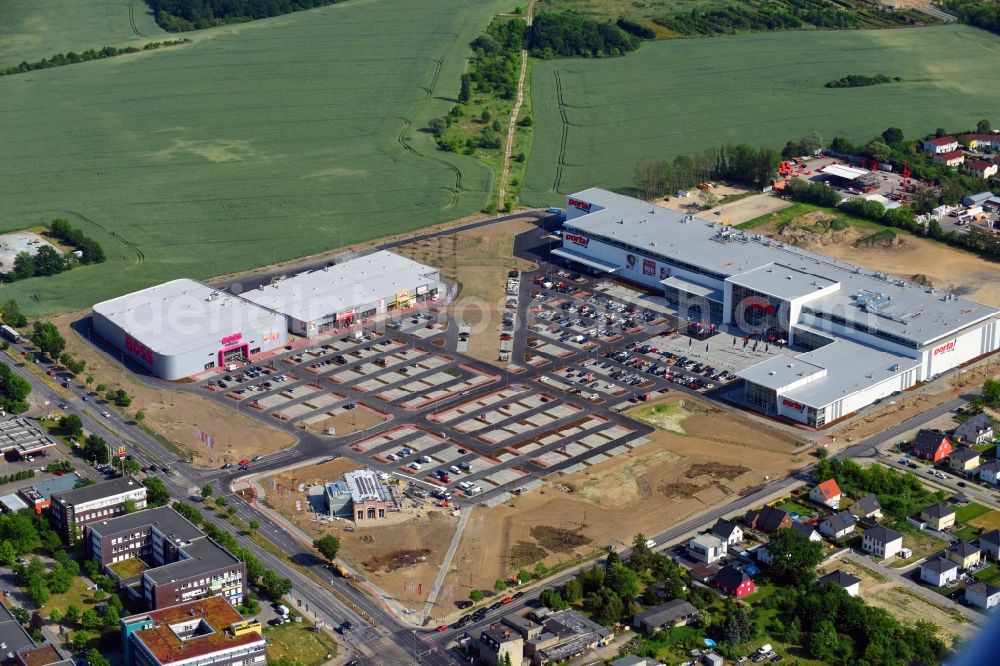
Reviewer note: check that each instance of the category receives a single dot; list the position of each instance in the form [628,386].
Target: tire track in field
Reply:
[140,256]
[561,159]
[131,18]
[456,190]
[429,90]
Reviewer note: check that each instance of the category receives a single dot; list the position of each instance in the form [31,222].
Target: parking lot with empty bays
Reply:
[596,118]
[180,161]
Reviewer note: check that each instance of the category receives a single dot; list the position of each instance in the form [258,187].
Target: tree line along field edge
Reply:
[596,118]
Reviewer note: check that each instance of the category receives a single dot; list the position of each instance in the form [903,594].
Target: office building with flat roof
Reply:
[73,510]
[206,632]
[170,558]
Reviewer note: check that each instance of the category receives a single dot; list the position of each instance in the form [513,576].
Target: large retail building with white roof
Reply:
[183,327]
[866,335]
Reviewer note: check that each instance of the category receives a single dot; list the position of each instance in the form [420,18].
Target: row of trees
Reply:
[735,163]
[48,261]
[267,580]
[985,15]
[780,15]
[14,390]
[72,58]
[861,80]
[182,15]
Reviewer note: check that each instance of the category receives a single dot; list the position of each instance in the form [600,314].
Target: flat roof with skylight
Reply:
[877,300]
[333,289]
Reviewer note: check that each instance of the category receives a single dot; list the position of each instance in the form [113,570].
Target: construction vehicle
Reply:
[340,570]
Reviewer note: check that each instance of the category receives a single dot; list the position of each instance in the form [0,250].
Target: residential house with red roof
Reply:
[982,169]
[952,158]
[827,493]
[734,582]
[940,144]
[982,141]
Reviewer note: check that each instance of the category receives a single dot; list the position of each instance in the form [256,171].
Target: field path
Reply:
[512,123]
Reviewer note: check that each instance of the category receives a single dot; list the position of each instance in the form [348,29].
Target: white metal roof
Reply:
[844,171]
[918,313]
[849,368]
[179,315]
[782,281]
[354,283]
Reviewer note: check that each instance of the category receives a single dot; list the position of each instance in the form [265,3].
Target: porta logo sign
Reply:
[231,339]
[797,406]
[945,348]
[582,205]
[575,238]
[139,350]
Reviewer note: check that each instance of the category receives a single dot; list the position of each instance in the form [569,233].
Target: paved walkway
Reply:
[446,562]
[933,597]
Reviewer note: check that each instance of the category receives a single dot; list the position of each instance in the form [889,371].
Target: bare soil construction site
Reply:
[672,477]
[401,556]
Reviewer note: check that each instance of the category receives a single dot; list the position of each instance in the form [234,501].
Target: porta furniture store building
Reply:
[866,334]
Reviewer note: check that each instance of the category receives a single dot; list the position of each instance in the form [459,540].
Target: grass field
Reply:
[35,29]
[594,119]
[257,143]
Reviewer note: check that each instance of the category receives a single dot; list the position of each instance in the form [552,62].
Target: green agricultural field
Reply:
[35,29]
[595,118]
[256,143]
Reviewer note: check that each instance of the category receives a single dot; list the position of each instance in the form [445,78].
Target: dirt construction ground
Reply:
[478,260]
[402,558]
[947,269]
[905,606]
[176,415]
[648,490]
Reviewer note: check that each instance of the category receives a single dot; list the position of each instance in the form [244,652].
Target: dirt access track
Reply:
[478,260]
[655,486]
[176,415]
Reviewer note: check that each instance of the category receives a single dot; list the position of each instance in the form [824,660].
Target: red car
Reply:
[443,627]
[507,600]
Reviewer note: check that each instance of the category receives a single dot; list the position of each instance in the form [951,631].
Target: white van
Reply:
[282,610]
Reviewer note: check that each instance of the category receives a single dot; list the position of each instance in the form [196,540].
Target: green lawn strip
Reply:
[920,542]
[990,574]
[299,642]
[799,209]
[964,514]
